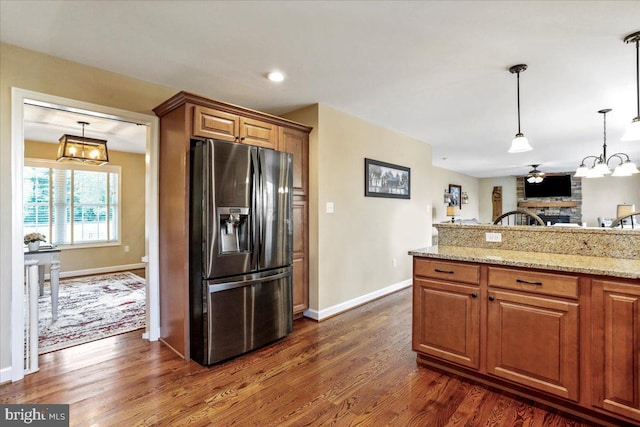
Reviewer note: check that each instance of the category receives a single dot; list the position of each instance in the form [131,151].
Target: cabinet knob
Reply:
[491,297]
[474,295]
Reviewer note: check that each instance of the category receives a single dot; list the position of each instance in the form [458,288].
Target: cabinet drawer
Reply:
[534,282]
[453,271]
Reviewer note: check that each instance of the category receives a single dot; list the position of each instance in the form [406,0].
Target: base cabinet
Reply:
[457,306]
[571,341]
[534,341]
[616,347]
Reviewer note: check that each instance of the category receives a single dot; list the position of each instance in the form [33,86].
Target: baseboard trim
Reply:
[348,305]
[5,375]
[100,270]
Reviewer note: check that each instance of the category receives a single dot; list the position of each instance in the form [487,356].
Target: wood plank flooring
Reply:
[355,369]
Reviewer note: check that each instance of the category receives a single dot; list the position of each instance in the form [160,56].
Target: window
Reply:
[72,204]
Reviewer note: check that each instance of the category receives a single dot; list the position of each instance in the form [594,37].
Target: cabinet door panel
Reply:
[300,258]
[296,142]
[616,347]
[261,134]
[534,341]
[446,321]
[210,123]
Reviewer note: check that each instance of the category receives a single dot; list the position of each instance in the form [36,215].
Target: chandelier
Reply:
[83,149]
[600,165]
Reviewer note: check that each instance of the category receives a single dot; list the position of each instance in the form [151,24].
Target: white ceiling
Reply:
[49,124]
[436,71]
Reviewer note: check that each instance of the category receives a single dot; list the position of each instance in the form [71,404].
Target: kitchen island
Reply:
[560,328]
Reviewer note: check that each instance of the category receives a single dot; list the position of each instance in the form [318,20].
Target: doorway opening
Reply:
[24,139]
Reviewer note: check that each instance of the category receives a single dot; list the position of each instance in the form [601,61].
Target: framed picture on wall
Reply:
[386,180]
[455,194]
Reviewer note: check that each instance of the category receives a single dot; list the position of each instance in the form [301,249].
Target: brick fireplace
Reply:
[554,209]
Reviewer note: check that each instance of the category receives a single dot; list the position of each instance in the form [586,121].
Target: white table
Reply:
[47,255]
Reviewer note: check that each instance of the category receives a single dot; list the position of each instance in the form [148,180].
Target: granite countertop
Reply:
[613,267]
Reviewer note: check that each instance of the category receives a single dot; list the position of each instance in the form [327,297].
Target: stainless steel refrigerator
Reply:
[240,249]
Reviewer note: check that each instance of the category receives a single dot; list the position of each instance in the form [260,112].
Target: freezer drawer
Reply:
[243,316]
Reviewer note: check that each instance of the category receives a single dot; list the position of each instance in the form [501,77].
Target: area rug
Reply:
[91,308]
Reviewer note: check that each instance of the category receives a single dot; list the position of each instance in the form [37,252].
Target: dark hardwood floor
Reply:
[353,369]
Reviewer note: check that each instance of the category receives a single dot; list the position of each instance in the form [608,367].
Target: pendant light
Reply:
[82,149]
[600,165]
[535,176]
[520,143]
[633,131]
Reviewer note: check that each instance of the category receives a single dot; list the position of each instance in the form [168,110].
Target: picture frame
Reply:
[383,179]
[455,195]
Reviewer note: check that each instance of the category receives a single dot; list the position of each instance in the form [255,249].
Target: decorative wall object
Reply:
[455,192]
[386,180]
[496,200]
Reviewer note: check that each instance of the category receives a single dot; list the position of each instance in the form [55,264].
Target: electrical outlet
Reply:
[329,207]
[126,248]
[493,237]
[395,263]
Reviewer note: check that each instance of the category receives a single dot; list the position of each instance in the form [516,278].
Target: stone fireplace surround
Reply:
[554,206]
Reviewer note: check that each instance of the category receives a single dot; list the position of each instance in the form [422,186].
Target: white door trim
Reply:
[18,98]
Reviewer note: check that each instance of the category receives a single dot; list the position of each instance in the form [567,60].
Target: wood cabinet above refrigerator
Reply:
[186,116]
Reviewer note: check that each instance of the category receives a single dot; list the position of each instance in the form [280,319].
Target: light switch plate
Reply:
[329,207]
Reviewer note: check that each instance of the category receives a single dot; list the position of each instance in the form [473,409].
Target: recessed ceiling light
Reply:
[275,76]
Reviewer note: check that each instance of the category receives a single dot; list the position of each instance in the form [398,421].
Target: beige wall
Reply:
[440,180]
[33,71]
[600,196]
[509,196]
[131,213]
[354,247]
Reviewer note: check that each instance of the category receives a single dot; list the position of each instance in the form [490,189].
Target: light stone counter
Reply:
[594,265]
[590,242]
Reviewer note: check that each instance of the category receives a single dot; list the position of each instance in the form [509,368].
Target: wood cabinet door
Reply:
[446,321]
[533,341]
[256,132]
[616,347]
[297,143]
[300,257]
[210,123]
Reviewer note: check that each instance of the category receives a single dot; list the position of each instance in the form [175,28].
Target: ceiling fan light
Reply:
[633,131]
[520,144]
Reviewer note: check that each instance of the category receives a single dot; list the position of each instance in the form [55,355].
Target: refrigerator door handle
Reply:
[207,220]
[241,283]
[256,210]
